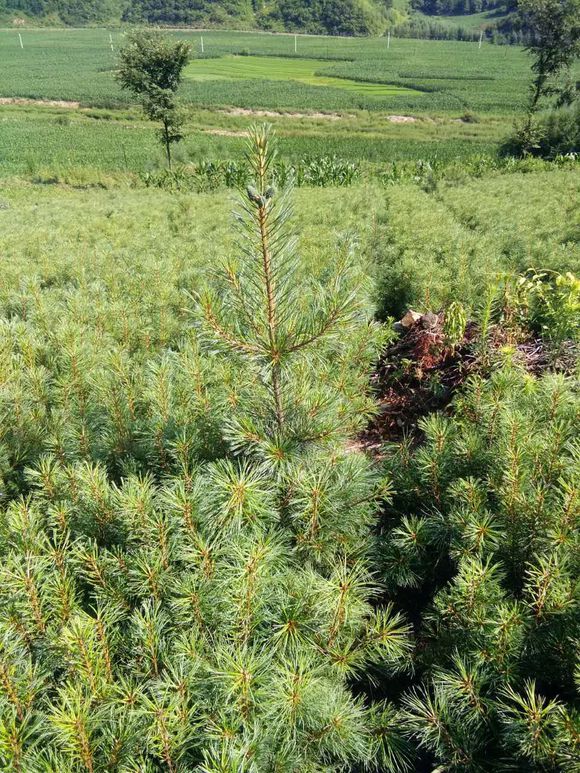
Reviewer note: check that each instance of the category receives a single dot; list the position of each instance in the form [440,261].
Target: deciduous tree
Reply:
[554,27]
[151,66]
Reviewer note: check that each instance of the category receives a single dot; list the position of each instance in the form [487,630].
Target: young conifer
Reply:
[277,323]
[491,555]
[208,615]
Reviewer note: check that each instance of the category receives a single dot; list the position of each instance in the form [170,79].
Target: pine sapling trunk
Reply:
[276,370]
[167,142]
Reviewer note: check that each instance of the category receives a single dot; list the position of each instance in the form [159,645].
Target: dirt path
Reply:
[225,133]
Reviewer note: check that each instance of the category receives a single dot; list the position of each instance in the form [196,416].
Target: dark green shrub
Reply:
[551,134]
[560,131]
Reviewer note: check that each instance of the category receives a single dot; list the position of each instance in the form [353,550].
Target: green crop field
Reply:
[44,142]
[369,88]
[79,64]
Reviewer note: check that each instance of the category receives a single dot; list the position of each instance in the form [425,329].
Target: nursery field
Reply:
[445,244]
[180,567]
[289,461]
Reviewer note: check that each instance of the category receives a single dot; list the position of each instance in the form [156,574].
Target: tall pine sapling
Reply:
[300,348]
[276,322]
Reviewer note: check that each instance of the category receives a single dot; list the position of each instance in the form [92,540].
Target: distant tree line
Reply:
[506,31]
[72,12]
[507,21]
[462,7]
[321,17]
[334,17]
[505,25]
[187,12]
[431,29]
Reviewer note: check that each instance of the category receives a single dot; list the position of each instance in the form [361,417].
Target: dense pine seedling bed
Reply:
[201,569]
[289,460]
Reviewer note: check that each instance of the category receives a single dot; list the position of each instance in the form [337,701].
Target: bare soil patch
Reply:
[39,102]
[244,111]
[402,119]
[420,373]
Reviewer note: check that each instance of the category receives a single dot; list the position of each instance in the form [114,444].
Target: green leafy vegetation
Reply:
[79,65]
[321,172]
[547,134]
[554,47]
[451,7]
[70,12]
[151,67]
